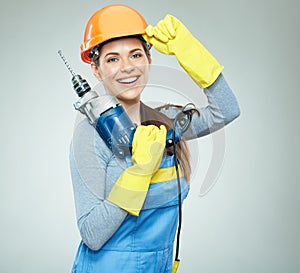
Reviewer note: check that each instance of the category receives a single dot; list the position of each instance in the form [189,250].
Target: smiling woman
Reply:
[123,67]
[127,209]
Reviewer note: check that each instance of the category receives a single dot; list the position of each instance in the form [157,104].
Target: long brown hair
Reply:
[154,117]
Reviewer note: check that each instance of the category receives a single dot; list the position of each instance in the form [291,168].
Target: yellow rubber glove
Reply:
[130,190]
[171,37]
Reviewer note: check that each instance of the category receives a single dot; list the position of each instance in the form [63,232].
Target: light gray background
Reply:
[249,222]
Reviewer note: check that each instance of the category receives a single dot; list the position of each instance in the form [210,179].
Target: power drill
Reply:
[108,117]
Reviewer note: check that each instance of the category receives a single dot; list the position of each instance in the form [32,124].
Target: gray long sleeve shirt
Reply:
[94,168]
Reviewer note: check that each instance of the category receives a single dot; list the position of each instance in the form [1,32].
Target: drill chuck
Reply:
[80,85]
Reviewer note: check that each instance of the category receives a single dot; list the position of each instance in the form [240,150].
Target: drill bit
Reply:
[66,63]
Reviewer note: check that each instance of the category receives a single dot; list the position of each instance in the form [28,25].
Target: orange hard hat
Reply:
[110,22]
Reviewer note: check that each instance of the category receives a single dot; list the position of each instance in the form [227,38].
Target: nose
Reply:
[127,66]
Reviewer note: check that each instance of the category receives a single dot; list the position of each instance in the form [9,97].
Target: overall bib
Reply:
[142,244]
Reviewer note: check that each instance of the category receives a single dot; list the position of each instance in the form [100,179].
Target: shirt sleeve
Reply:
[97,218]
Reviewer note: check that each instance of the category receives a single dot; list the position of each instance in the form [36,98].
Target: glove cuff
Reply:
[196,60]
[129,192]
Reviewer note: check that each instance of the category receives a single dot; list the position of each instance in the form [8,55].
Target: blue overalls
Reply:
[142,244]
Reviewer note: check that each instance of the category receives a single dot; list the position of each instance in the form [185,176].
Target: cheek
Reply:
[107,72]
[146,72]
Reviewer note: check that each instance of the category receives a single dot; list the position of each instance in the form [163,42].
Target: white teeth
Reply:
[128,80]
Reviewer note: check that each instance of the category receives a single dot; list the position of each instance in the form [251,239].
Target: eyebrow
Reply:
[116,53]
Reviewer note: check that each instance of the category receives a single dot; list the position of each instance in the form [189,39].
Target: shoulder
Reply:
[87,141]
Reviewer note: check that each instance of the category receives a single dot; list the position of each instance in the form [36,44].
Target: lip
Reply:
[128,80]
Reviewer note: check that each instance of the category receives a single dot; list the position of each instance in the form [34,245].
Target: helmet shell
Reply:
[110,22]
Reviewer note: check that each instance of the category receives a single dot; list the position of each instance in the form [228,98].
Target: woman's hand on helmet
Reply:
[171,37]
[168,36]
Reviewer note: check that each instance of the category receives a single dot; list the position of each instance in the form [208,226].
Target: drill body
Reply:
[109,118]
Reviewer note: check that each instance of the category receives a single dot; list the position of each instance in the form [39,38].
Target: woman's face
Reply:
[123,68]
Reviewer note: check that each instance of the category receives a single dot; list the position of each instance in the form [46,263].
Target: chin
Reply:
[130,95]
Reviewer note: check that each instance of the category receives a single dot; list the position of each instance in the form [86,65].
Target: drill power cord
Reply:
[184,122]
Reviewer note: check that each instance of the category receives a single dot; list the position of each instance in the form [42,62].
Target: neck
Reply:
[133,111]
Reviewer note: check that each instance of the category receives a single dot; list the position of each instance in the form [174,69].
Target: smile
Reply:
[128,80]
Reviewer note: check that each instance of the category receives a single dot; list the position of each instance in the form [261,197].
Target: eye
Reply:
[136,55]
[112,60]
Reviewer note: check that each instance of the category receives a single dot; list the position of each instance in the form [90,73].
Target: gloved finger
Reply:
[139,142]
[137,135]
[153,132]
[162,134]
[158,145]
[145,130]
[139,131]
[171,23]
[146,134]
[163,129]
[149,31]
[158,45]
[147,37]
[159,134]
[158,34]
[166,29]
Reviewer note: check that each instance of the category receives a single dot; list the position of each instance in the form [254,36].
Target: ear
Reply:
[96,71]
[149,58]
[150,61]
